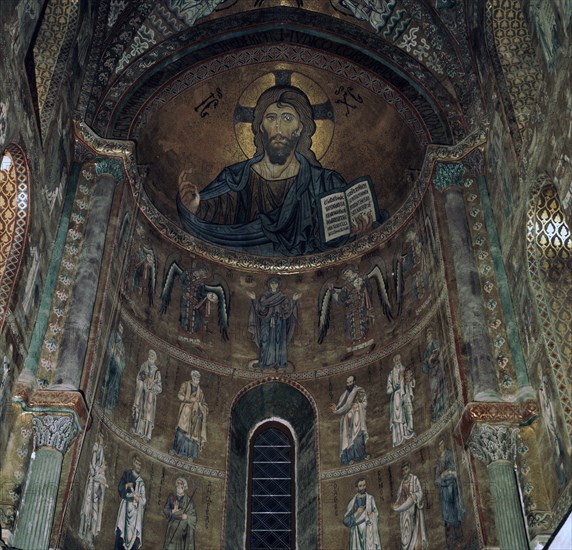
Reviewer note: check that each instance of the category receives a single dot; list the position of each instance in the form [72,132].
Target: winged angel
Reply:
[199,297]
[356,296]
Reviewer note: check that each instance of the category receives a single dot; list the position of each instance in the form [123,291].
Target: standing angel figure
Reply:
[199,297]
[356,296]
[272,320]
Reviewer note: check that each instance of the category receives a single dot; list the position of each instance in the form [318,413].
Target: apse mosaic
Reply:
[280,236]
[287,197]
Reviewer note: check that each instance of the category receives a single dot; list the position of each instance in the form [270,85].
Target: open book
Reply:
[341,208]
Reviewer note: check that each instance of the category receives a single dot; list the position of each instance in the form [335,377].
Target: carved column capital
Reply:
[490,443]
[109,166]
[56,431]
[448,174]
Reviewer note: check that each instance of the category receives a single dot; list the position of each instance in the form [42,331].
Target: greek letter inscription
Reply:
[210,102]
[349,98]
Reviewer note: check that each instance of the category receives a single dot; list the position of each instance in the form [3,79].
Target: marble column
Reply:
[475,339]
[73,345]
[53,435]
[496,446]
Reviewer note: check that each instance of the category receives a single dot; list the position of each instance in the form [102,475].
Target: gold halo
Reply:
[324,133]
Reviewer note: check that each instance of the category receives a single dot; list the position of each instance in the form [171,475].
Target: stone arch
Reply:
[550,265]
[515,64]
[290,403]
[14,184]
[50,54]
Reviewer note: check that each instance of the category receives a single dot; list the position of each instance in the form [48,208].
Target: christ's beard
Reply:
[278,151]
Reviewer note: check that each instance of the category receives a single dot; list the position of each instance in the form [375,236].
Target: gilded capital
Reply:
[56,431]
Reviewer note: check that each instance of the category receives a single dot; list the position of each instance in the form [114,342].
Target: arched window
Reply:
[271,489]
[13,221]
[273,423]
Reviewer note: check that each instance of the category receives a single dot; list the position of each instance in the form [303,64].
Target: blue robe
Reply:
[291,229]
[271,324]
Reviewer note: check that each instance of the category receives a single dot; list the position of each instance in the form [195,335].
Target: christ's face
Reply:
[281,128]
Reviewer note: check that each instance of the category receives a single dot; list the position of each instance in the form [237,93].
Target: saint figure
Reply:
[351,409]
[362,518]
[400,389]
[267,204]
[271,324]
[410,504]
[200,297]
[447,483]
[355,295]
[92,507]
[147,388]
[549,417]
[115,368]
[180,511]
[129,525]
[191,433]
[433,366]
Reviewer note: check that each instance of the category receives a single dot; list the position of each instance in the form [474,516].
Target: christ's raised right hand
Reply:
[189,192]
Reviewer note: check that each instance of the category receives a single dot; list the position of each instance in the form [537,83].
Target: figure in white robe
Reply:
[410,504]
[400,389]
[92,507]
[362,518]
[351,409]
[148,387]
[129,525]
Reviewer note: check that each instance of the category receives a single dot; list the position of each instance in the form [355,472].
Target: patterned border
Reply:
[521,414]
[279,53]
[224,369]
[242,261]
[170,54]
[397,454]
[165,458]
[59,69]
[557,365]
[14,258]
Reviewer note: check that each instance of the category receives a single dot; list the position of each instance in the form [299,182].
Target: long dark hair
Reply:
[298,100]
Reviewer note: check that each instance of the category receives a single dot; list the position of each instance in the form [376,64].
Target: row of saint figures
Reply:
[190,435]
[362,517]
[364,294]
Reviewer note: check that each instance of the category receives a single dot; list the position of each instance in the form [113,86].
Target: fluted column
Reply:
[74,341]
[496,447]
[53,435]
[472,315]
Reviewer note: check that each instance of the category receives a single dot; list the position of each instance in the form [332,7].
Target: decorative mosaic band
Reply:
[224,369]
[401,452]
[14,258]
[519,414]
[165,458]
